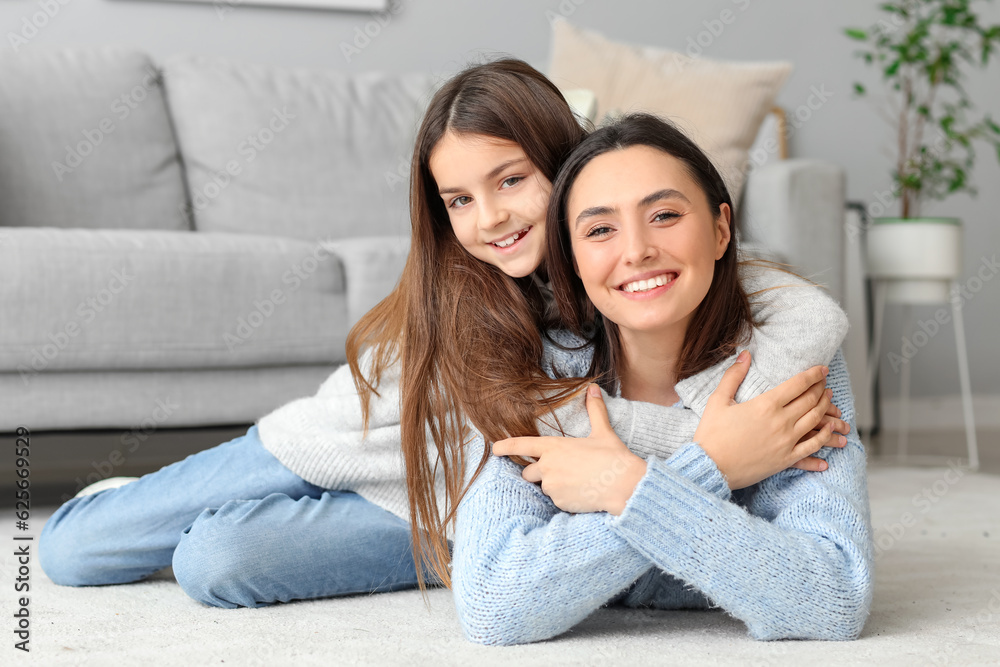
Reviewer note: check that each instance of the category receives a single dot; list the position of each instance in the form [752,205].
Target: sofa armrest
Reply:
[372,267]
[793,212]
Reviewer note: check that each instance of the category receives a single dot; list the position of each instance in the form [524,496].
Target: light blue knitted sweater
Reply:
[792,556]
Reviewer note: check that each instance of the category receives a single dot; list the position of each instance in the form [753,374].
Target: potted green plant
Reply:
[923,49]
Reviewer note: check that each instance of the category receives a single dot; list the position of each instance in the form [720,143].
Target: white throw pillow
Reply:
[719,104]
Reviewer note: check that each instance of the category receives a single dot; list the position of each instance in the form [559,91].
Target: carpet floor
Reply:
[937,602]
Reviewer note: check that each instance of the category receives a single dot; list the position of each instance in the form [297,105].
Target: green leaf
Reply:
[859,89]
[854,33]
[891,69]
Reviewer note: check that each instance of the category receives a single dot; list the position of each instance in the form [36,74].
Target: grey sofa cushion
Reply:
[148,400]
[305,154]
[111,299]
[85,141]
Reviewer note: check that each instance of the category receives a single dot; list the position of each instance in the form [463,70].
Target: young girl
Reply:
[639,229]
[313,501]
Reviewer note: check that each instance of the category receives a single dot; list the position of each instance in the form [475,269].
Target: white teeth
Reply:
[646,285]
[509,241]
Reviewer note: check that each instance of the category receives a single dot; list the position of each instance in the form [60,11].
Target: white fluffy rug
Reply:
[937,601]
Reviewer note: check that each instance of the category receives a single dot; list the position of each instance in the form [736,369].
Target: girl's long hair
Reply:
[720,323]
[466,335]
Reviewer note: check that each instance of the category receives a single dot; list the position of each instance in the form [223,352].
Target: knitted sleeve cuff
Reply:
[690,467]
[672,492]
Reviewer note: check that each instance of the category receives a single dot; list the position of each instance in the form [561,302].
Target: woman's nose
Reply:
[637,246]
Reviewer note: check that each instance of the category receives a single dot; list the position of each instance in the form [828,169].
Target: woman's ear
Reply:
[723,233]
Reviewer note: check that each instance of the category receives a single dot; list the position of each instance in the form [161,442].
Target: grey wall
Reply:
[439,36]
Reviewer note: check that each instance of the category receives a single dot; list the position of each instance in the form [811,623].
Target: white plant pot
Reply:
[918,258]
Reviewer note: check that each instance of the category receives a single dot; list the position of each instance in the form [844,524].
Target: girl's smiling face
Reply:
[644,239]
[495,198]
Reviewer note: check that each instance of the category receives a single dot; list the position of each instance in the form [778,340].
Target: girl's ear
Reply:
[723,233]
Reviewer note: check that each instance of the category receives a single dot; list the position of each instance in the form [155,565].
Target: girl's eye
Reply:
[458,202]
[512,181]
[665,215]
[600,230]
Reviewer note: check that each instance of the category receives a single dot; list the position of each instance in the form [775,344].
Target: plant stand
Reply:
[907,295]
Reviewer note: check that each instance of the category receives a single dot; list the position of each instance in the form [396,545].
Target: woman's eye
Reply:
[600,230]
[512,181]
[665,215]
[459,202]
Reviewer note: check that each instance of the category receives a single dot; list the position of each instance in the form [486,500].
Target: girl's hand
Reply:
[592,474]
[779,429]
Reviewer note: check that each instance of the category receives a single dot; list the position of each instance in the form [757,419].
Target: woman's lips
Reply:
[649,288]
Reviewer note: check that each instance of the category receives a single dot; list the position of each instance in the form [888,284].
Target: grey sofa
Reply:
[188,244]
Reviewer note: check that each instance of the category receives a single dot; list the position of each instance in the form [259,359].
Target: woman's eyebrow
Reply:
[490,176]
[666,193]
[659,195]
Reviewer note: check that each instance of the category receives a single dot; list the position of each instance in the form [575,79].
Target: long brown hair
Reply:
[720,322]
[466,335]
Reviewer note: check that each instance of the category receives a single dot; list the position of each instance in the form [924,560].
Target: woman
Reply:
[325,473]
[641,221]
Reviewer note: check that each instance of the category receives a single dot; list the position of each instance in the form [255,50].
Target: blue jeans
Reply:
[238,527]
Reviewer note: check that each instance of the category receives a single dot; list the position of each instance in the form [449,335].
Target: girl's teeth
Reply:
[646,285]
[510,241]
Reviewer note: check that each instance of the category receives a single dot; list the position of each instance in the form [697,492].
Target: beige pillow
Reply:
[719,104]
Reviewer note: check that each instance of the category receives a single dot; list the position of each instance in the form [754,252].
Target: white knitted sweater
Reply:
[320,438]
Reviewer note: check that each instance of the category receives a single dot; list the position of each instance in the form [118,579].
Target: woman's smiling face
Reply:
[495,198]
[644,239]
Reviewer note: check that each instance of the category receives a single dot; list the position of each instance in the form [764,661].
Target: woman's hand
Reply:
[782,428]
[593,474]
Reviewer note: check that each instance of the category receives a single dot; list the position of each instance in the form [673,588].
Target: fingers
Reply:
[839,425]
[811,419]
[597,411]
[732,378]
[532,473]
[790,389]
[811,445]
[806,403]
[811,463]
[527,446]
